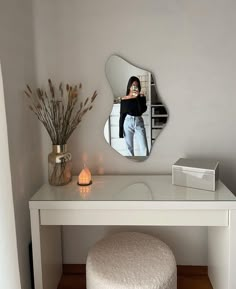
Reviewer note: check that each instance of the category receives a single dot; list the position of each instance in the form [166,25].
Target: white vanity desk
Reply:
[132,200]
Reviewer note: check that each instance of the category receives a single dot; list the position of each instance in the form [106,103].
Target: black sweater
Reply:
[132,106]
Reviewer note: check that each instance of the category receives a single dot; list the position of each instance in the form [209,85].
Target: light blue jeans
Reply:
[135,125]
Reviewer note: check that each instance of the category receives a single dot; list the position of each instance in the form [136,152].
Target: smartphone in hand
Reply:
[134,90]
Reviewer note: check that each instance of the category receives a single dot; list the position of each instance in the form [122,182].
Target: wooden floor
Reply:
[189,277]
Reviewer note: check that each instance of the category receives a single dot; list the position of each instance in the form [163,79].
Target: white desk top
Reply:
[126,188]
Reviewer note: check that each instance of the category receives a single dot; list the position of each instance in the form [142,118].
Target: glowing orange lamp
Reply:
[84,178]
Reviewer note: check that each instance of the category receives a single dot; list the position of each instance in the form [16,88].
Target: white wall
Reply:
[190,48]
[9,269]
[17,59]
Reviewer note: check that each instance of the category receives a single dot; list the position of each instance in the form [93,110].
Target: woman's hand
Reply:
[135,94]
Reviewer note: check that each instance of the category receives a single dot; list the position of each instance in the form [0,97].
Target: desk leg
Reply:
[47,253]
[232,249]
[222,254]
[218,252]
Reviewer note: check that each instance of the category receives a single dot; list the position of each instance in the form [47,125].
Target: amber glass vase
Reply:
[59,166]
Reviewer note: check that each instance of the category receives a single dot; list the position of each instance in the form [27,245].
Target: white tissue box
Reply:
[200,174]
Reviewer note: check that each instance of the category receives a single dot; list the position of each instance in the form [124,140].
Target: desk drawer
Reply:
[135,217]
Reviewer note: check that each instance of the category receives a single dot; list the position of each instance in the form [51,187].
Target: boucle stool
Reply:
[131,260]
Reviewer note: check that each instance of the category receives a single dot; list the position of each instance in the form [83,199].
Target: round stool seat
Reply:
[131,260]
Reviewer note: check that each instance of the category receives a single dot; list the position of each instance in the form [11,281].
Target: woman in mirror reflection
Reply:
[132,106]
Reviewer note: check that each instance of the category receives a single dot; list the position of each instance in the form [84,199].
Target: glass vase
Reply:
[59,166]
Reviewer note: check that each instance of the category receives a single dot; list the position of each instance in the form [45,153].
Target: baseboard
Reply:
[187,270]
[71,269]
[74,269]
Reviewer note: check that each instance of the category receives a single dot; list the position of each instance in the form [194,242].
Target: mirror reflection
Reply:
[138,115]
[137,191]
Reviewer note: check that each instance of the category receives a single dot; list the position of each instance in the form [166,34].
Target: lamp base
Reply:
[90,183]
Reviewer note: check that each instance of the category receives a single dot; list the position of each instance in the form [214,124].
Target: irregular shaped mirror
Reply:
[138,114]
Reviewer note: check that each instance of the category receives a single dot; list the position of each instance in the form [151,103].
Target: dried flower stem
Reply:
[59,114]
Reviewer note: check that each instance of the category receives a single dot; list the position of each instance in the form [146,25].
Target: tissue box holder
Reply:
[199,174]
